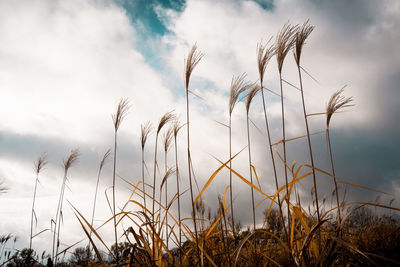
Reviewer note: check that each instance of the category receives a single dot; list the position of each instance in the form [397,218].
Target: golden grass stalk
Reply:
[176,128]
[224,225]
[166,118]
[190,63]
[300,37]
[67,164]
[264,55]
[284,42]
[167,140]
[38,167]
[117,118]
[145,130]
[101,165]
[237,88]
[250,96]
[336,102]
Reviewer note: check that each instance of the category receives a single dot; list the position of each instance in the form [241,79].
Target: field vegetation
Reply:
[290,233]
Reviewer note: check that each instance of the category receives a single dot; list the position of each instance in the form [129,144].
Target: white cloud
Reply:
[64,64]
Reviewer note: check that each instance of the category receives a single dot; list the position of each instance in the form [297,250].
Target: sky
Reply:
[64,66]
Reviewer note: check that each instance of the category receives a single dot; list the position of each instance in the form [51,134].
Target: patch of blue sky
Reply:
[150,27]
[266,4]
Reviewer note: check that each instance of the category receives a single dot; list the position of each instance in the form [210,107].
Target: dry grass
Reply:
[336,102]
[300,38]
[191,62]
[285,41]
[145,130]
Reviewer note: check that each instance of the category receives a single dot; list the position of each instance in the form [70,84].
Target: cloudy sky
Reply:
[64,66]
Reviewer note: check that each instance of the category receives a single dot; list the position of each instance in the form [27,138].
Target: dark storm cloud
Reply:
[27,148]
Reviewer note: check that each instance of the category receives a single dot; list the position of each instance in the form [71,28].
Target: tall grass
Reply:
[264,55]
[300,37]
[284,43]
[101,165]
[67,164]
[145,130]
[237,88]
[336,102]
[176,128]
[190,63]
[117,118]
[38,167]
[250,96]
[167,140]
[166,118]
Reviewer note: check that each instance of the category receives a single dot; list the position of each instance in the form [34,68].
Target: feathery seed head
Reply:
[191,62]
[168,173]
[71,159]
[301,35]
[250,96]
[177,127]
[168,117]
[336,102]
[103,160]
[40,163]
[238,86]
[167,138]
[145,130]
[121,113]
[284,42]
[264,54]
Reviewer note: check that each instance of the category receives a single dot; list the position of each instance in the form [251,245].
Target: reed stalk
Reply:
[264,55]
[250,96]
[38,167]
[102,162]
[190,63]
[166,118]
[167,139]
[336,102]
[300,38]
[224,235]
[284,43]
[145,130]
[67,163]
[237,88]
[176,128]
[117,119]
